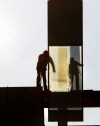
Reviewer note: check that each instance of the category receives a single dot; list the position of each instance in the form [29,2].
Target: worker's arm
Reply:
[38,65]
[52,63]
[79,64]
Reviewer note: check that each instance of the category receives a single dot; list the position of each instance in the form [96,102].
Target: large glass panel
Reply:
[68,75]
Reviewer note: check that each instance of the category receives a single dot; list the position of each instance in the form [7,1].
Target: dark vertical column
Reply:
[62,123]
[64,29]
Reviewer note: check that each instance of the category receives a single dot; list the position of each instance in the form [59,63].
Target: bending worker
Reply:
[42,63]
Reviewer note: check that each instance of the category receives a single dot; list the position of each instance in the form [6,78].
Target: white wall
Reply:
[23,36]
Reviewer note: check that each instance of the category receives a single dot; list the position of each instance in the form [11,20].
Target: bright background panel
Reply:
[23,36]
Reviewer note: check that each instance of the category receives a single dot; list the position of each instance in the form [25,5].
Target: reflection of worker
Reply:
[43,60]
[73,70]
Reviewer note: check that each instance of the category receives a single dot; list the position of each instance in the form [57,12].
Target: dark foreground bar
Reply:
[85,98]
[69,106]
[65,99]
[66,115]
[23,106]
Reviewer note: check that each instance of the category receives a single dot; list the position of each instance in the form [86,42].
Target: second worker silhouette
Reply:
[74,71]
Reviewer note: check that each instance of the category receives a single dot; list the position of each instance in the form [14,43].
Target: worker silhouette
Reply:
[42,63]
[74,71]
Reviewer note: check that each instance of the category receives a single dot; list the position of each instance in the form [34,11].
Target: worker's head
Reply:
[71,59]
[46,53]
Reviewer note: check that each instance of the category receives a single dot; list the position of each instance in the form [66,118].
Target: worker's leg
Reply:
[77,81]
[44,80]
[72,78]
[38,79]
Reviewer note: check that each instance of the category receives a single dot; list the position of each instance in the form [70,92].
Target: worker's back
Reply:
[73,67]
[42,62]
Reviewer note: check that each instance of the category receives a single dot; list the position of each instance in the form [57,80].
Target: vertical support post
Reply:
[62,123]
